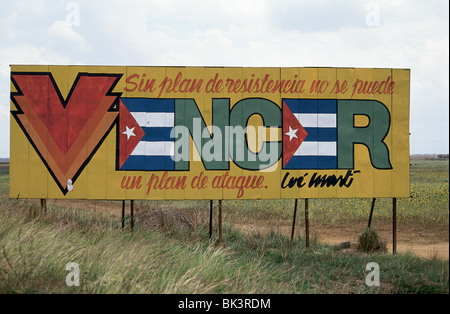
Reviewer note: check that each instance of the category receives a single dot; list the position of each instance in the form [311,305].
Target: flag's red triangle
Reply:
[130,133]
[293,134]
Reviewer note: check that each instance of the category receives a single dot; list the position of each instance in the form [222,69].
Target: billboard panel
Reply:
[91,132]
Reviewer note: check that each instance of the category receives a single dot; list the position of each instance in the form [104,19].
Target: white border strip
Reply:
[317,149]
[154,119]
[317,120]
[154,149]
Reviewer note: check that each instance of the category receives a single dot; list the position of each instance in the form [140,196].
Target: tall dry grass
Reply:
[34,253]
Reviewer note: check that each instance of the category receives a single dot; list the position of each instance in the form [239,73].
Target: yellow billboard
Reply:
[112,132]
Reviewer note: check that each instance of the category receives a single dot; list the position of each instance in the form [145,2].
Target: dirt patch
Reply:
[424,241]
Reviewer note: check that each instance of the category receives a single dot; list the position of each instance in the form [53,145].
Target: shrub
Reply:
[369,241]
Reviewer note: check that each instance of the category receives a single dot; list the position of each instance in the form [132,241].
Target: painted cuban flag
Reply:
[144,134]
[309,134]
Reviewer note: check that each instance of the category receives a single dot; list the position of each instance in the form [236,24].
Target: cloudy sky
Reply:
[409,34]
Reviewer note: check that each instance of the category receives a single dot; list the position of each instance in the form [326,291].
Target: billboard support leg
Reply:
[123,214]
[394,225]
[43,206]
[220,221]
[293,220]
[132,215]
[210,217]
[371,213]
[306,223]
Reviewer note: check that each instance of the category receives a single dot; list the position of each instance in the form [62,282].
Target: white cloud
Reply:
[27,54]
[62,34]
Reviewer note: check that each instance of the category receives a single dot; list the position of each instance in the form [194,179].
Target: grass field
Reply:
[255,256]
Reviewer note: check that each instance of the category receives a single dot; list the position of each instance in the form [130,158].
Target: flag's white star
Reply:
[129,132]
[292,133]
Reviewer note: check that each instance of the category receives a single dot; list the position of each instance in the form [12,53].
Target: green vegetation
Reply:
[428,204]
[35,252]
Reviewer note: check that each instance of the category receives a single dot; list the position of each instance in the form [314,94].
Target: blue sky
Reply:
[282,33]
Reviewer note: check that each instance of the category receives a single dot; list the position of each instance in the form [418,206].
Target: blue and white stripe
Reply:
[319,119]
[155,151]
